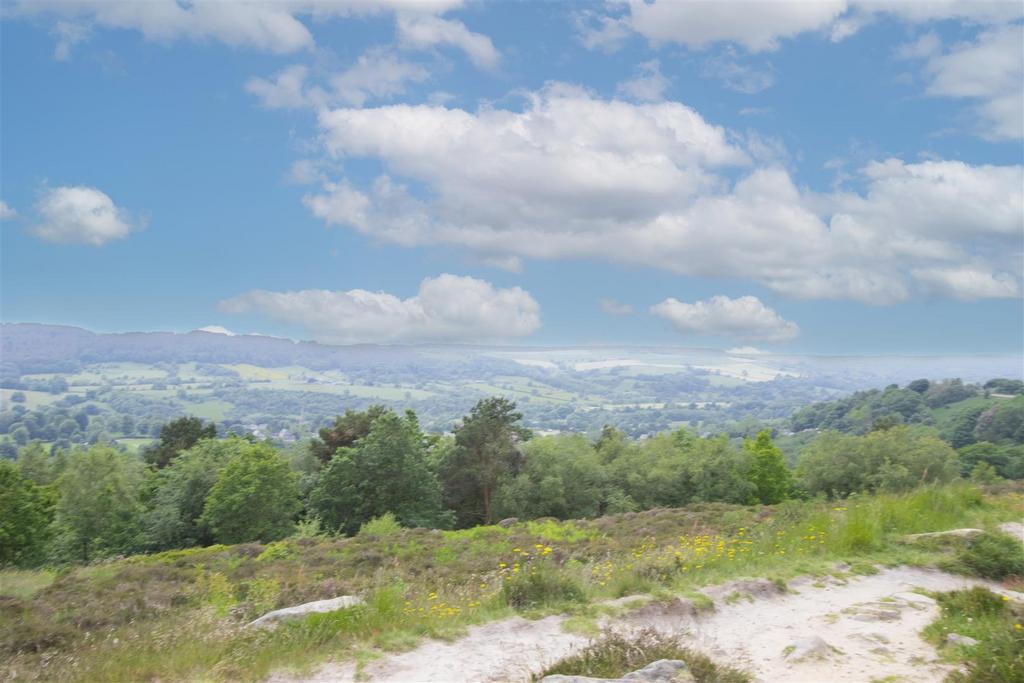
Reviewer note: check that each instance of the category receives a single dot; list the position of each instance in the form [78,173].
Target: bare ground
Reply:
[860,629]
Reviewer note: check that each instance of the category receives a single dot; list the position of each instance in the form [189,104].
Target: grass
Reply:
[991,620]
[23,583]
[179,615]
[614,655]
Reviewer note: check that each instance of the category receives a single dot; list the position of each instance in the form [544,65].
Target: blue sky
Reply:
[828,177]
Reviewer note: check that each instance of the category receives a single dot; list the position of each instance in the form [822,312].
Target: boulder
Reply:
[957,639]
[661,671]
[952,533]
[1015,529]
[270,619]
[811,647]
[507,522]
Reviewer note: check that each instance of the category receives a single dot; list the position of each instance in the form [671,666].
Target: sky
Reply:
[830,177]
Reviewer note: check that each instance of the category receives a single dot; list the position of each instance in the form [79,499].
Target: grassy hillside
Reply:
[179,615]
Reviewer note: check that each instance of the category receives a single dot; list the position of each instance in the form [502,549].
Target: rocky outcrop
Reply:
[270,619]
[661,671]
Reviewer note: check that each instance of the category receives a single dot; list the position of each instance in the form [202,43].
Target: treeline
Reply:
[192,488]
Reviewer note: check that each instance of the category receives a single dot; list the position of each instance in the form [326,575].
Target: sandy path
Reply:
[872,622]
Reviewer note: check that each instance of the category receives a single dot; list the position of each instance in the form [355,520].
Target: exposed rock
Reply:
[661,671]
[677,608]
[270,619]
[957,639]
[915,600]
[952,533]
[1015,529]
[508,521]
[875,611]
[754,588]
[811,647]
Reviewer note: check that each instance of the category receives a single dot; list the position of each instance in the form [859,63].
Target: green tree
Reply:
[255,498]
[180,493]
[34,463]
[98,510]
[346,430]
[487,448]
[768,470]
[25,514]
[385,471]
[562,477]
[176,436]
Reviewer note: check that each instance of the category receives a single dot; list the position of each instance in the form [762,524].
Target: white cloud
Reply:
[613,307]
[760,25]
[745,351]
[734,75]
[216,329]
[68,35]
[742,318]
[268,25]
[422,31]
[82,215]
[7,212]
[287,90]
[377,74]
[968,283]
[989,71]
[644,184]
[648,85]
[446,308]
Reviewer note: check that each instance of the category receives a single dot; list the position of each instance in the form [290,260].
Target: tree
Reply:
[180,493]
[255,498]
[562,477]
[34,463]
[176,436]
[346,430]
[919,386]
[768,471]
[25,514]
[98,509]
[486,449]
[384,471]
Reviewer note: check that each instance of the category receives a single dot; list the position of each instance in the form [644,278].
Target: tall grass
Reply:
[434,584]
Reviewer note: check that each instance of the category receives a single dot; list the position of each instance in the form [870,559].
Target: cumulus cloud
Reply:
[741,318]
[378,74]
[647,185]
[613,307]
[760,25]
[7,212]
[422,31]
[216,329]
[648,85]
[745,351]
[447,308]
[988,71]
[82,215]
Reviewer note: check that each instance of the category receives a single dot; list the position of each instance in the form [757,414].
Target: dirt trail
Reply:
[870,626]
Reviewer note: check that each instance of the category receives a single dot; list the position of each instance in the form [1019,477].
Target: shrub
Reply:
[616,654]
[991,620]
[538,585]
[994,555]
[385,525]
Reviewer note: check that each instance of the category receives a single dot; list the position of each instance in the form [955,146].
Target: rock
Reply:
[507,522]
[661,671]
[1015,529]
[952,533]
[756,588]
[677,608]
[915,600]
[811,647]
[270,619]
[957,639]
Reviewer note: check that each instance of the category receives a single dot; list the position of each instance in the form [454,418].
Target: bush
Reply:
[538,585]
[991,620]
[385,525]
[616,654]
[994,555]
